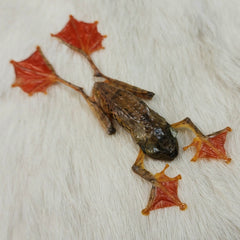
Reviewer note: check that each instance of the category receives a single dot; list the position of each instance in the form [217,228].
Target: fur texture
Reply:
[62,177]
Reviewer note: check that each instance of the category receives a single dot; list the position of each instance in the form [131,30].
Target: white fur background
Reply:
[62,177]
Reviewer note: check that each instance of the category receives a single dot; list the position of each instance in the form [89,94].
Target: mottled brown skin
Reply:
[149,130]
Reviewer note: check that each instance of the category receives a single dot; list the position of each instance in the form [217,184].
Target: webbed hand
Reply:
[164,193]
[164,189]
[207,146]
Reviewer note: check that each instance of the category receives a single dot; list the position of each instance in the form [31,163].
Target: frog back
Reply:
[128,110]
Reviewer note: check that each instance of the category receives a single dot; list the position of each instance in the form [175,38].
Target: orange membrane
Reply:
[82,36]
[34,74]
[211,146]
[165,194]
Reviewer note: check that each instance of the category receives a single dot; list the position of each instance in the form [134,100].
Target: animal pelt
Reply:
[62,177]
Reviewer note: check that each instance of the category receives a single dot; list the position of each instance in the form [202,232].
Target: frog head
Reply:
[161,144]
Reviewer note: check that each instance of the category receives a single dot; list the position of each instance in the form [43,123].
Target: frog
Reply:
[114,101]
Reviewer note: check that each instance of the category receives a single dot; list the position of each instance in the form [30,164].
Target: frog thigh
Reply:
[103,118]
[141,93]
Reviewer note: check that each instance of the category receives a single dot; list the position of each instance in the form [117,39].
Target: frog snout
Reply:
[173,151]
[172,148]
[156,151]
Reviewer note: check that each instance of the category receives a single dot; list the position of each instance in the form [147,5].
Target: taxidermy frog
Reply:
[115,100]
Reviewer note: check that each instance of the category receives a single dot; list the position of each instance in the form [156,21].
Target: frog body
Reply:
[149,130]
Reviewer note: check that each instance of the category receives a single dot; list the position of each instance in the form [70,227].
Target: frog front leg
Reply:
[207,146]
[164,189]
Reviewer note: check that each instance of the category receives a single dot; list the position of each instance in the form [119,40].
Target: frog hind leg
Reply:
[103,118]
[164,189]
[138,92]
[141,93]
[207,146]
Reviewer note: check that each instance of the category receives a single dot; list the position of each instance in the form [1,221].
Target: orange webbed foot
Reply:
[164,193]
[211,146]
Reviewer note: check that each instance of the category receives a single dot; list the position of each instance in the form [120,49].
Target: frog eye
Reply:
[173,131]
[158,132]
